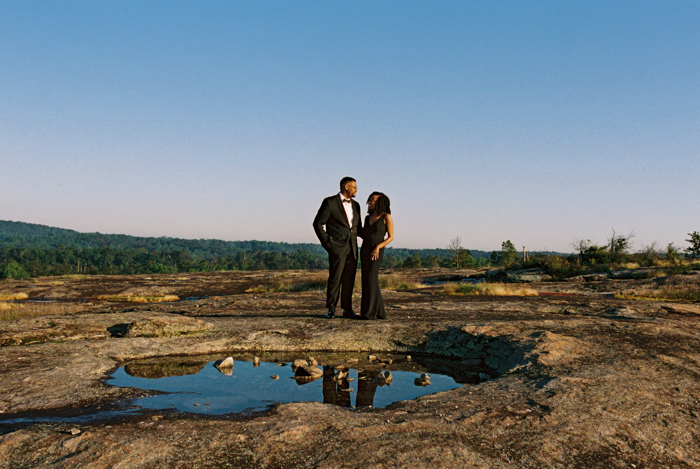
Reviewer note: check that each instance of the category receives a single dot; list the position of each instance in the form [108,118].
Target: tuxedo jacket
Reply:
[338,232]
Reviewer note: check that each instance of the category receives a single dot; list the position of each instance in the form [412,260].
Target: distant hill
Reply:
[30,235]
[31,250]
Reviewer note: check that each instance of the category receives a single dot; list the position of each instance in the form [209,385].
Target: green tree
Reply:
[412,262]
[431,261]
[469,260]
[508,253]
[694,250]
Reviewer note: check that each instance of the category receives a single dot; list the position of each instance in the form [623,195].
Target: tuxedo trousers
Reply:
[341,280]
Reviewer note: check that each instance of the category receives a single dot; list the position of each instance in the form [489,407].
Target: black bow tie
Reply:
[346,201]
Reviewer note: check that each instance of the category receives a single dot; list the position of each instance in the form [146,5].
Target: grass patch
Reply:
[9,311]
[487,289]
[138,298]
[319,283]
[396,282]
[689,294]
[13,296]
[313,283]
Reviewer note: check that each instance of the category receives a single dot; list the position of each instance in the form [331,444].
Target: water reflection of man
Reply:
[366,387]
[333,390]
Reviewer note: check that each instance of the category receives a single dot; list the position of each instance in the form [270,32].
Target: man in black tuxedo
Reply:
[336,225]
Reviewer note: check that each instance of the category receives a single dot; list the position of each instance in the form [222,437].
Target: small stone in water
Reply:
[225,363]
[275,377]
[383,378]
[312,371]
[424,380]
[74,431]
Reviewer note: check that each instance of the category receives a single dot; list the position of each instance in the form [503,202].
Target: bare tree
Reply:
[619,246]
[457,253]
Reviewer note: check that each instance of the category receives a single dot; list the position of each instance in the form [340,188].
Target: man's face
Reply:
[350,189]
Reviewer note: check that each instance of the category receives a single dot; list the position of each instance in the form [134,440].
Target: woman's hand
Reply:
[375,254]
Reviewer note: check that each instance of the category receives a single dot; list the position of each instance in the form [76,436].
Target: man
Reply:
[336,225]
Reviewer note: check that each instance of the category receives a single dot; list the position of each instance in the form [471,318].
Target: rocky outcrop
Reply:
[165,326]
[578,381]
[480,343]
[518,276]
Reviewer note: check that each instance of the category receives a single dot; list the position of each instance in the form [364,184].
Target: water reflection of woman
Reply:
[377,232]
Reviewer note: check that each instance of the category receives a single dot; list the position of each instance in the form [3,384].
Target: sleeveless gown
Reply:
[372,302]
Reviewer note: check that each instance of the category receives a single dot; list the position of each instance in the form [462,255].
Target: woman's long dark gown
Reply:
[372,303]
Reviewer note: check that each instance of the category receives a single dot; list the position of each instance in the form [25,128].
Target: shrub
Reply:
[13,270]
[673,254]
[648,256]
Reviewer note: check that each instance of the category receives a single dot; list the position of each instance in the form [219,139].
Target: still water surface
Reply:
[205,389]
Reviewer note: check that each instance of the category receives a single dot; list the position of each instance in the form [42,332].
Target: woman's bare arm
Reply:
[390,238]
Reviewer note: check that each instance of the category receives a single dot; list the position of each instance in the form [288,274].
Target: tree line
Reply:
[30,250]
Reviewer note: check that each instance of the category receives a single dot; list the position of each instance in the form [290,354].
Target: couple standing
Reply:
[337,225]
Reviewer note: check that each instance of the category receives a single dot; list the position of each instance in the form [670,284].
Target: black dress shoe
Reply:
[351,315]
[330,315]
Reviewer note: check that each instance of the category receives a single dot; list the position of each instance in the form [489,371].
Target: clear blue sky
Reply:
[541,122]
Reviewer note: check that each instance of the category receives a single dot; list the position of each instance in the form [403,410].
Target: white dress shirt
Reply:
[348,209]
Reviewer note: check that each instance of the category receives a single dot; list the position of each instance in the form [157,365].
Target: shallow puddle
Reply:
[197,385]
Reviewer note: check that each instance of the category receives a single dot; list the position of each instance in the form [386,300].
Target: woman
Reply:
[378,224]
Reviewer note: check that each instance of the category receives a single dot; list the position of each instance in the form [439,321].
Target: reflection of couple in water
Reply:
[337,225]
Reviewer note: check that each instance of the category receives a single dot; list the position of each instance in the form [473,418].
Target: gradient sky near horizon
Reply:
[539,122]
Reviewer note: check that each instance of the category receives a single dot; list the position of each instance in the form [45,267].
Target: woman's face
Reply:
[372,203]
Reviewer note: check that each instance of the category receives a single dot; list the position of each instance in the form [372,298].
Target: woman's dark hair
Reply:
[383,204]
